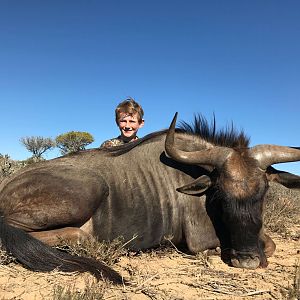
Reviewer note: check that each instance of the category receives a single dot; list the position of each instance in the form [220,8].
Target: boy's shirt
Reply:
[115,142]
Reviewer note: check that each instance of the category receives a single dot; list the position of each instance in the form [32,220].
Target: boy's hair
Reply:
[130,107]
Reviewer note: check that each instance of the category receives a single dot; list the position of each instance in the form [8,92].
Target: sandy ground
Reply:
[163,275]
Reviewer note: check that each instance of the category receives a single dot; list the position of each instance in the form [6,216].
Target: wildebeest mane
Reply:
[227,137]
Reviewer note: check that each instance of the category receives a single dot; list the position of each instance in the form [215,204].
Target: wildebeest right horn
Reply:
[215,156]
[267,155]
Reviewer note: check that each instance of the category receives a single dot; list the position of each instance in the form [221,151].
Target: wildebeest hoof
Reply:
[270,246]
[212,252]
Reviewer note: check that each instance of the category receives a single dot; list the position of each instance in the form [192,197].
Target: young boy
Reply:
[129,119]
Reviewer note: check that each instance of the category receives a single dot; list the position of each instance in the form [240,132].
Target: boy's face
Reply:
[129,125]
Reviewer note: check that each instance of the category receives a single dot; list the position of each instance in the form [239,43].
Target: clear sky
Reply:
[65,65]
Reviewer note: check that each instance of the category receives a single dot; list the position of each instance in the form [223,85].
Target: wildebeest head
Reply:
[237,184]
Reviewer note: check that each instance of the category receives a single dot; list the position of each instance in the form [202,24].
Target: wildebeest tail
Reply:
[38,256]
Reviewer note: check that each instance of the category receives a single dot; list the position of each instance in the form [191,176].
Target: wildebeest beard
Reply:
[238,224]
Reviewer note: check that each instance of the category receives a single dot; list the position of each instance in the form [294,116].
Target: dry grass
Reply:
[92,291]
[282,216]
[294,290]
[164,273]
[282,211]
[108,252]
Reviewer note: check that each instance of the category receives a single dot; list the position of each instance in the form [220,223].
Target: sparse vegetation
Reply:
[8,166]
[294,290]
[108,252]
[282,211]
[37,145]
[92,291]
[73,141]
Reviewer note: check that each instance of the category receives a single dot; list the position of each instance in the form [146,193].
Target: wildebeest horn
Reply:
[215,156]
[267,155]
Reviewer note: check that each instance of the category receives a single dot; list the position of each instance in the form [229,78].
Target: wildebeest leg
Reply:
[54,237]
[199,232]
[68,199]
[202,239]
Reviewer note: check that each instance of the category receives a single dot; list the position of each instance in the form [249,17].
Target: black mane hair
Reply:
[227,137]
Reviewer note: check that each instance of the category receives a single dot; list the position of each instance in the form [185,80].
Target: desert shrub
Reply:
[9,166]
[33,160]
[282,210]
[108,252]
[37,145]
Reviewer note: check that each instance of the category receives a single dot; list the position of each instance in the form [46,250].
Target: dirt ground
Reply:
[163,275]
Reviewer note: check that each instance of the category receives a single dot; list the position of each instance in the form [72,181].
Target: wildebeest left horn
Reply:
[267,155]
[215,156]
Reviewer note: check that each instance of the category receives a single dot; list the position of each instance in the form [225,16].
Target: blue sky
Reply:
[65,65]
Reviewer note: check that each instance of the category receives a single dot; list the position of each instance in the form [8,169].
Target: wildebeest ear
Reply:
[288,180]
[197,186]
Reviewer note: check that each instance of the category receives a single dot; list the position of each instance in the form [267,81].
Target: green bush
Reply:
[73,141]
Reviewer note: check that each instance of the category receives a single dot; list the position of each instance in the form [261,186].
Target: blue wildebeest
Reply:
[203,187]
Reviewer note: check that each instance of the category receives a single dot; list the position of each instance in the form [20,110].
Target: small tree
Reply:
[73,141]
[37,145]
